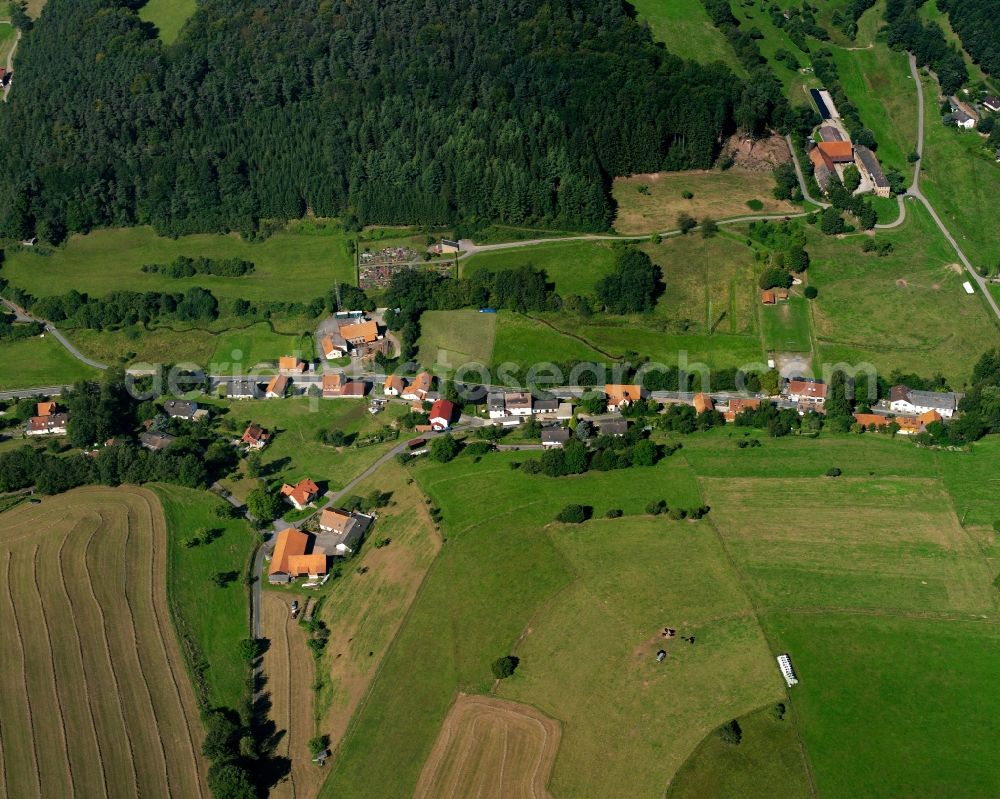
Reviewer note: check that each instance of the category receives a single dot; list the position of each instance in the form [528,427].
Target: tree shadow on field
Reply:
[275,466]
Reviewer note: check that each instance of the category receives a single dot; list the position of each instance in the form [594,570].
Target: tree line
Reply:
[416,111]
[183,266]
[905,31]
[975,22]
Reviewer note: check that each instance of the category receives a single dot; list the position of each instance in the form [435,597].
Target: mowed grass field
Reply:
[168,16]
[684,27]
[365,611]
[503,748]
[717,194]
[296,264]
[962,182]
[210,620]
[574,266]
[589,656]
[449,339]
[503,568]
[785,326]
[906,311]
[289,675]
[39,361]
[878,82]
[94,693]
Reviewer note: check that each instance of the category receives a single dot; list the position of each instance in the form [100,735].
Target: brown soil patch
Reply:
[490,749]
[902,284]
[290,674]
[958,269]
[757,156]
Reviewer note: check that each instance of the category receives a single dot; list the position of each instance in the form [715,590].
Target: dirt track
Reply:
[490,749]
[93,692]
[290,672]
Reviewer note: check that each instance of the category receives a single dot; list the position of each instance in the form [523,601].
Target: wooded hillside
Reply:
[424,111]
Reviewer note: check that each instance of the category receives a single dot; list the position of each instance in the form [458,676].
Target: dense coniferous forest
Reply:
[905,31]
[433,111]
[975,21]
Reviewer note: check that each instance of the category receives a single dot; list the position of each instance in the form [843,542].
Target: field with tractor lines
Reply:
[93,692]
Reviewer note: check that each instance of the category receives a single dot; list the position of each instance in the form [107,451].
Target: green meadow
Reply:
[168,16]
[215,619]
[879,584]
[684,27]
[293,265]
[39,361]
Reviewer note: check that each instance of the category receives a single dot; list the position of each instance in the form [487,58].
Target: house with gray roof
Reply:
[905,400]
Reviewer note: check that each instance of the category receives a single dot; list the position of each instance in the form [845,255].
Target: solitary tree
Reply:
[503,667]
[572,514]
[709,227]
[731,733]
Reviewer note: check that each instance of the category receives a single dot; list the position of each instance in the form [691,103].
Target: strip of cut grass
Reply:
[574,266]
[213,619]
[449,339]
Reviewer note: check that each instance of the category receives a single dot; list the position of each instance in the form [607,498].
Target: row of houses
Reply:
[514,405]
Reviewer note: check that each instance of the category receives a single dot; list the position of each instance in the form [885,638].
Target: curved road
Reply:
[10,60]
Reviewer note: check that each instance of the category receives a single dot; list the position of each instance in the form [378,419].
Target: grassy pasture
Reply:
[905,311]
[574,266]
[8,35]
[294,452]
[449,339]
[786,326]
[84,607]
[589,656]
[168,16]
[684,27]
[213,619]
[365,611]
[39,362]
[881,702]
[466,615]
[962,181]
[717,194]
[878,82]
[870,543]
[768,762]
[296,264]
[527,340]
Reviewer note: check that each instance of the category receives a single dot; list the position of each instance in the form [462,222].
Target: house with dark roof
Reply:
[255,436]
[612,427]
[180,409]
[991,103]
[155,442]
[243,388]
[341,531]
[903,399]
[869,166]
[555,436]
[54,424]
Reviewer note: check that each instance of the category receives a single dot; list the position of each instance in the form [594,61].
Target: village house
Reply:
[291,365]
[518,403]
[441,414]
[555,436]
[496,405]
[905,400]
[354,389]
[53,424]
[802,390]
[45,408]
[768,297]
[419,388]
[821,171]
[868,165]
[333,346]
[394,386]
[278,387]
[180,409]
[255,436]
[289,559]
[361,336]
[703,402]
[301,494]
[343,529]
[991,103]
[332,384]
[612,427]
[737,405]
[621,396]
[445,247]
[908,425]
[242,389]
[156,442]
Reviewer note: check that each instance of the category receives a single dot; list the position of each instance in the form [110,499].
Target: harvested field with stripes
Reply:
[491,749]
[94,696]
[290,673]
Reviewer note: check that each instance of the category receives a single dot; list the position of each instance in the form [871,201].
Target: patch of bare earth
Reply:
[491,749]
